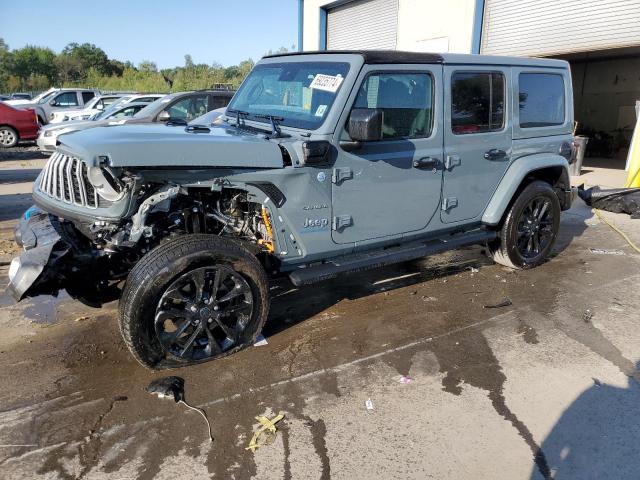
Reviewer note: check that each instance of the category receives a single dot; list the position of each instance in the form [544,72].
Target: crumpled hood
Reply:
[162,146]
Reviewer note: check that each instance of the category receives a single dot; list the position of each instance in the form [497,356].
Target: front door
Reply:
[390,187]
[477,138]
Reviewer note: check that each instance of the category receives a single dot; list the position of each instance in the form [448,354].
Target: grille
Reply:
[65,178]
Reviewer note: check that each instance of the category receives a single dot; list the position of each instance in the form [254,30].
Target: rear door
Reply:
[391,187]
[477,138]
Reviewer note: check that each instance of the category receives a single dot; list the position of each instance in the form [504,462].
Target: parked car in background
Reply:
[17,124]
[21,96]
[61,99]
[95,105]
[209,118]
[114,115]
[183,106]
[47,93]
[4,98]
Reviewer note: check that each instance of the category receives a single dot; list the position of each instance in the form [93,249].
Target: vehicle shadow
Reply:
[291,305]
[573,224]
[597,436]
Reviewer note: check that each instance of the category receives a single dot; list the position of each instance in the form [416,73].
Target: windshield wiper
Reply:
[239,113]
[275,123]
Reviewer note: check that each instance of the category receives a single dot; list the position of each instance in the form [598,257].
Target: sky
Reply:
[162,31]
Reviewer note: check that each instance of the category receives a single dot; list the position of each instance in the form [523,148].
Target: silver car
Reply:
[114,115]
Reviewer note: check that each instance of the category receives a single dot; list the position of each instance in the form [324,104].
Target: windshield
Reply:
[151,108]
[301,93]
[47,97]
[104,113]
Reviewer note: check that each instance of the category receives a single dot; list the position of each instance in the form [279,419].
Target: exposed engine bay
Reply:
[104,251]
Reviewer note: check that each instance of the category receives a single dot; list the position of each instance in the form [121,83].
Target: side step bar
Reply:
[369,261]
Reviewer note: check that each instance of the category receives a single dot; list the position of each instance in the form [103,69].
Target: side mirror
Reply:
[164,116]
[365,124]
[100,107]
[53,102]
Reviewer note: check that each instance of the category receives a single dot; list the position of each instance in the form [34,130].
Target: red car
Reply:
[17,125]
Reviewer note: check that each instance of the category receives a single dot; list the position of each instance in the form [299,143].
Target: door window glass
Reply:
[406,100]
[127,112]
[189,108]
[86,96]
[67,99]
[541,99]
[477,102]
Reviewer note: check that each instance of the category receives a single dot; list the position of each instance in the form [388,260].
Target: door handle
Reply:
[495,154]
[426,163]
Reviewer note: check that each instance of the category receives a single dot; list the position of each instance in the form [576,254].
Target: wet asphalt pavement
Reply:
[544,388]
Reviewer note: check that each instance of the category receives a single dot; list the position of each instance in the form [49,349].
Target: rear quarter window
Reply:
[541,100]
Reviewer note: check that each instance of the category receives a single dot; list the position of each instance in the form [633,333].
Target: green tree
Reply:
[147,66]
[4,59]
[32,60]
[88,56]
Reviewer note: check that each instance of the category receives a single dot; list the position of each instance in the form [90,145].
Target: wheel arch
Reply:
[552,169]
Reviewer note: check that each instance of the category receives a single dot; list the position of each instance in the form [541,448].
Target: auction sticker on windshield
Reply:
[328,83]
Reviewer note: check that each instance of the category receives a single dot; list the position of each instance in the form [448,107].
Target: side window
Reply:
[127,112]
[406,100]
[541,99]
[67,99]
[219,102]
[108,101]
[477,102]
[189,108]
[86,96]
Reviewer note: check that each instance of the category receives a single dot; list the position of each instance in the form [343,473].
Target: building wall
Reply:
[427,26]
[423,25]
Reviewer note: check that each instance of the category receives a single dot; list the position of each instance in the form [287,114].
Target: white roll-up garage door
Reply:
[552,27]
[363,24]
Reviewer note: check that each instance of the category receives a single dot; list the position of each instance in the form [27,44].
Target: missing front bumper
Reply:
[37,270]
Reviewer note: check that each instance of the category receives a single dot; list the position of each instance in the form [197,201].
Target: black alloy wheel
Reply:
[203,313]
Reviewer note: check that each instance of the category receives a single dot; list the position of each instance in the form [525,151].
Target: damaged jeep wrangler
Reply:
[324,163]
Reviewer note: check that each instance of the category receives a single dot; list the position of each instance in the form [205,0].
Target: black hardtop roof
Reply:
[376,56]
[401,57]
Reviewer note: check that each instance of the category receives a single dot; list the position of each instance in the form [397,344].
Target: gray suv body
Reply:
[324,163]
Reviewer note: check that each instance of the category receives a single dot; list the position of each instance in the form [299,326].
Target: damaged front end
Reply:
[96,215]
[56,256]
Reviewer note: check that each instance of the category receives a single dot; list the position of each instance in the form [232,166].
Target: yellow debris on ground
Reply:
[268,426]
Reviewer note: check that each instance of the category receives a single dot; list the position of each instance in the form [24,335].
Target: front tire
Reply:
[193,299]
[530,228]
[8,137]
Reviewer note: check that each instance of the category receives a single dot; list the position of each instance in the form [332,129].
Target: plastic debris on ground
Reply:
[616,200]
[405,380]
[504,303]
[260,341]
[369,404]
[267,430]
[605,251]
[172,388]
[587,315]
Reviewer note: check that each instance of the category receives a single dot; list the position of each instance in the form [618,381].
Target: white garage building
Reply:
[601,39]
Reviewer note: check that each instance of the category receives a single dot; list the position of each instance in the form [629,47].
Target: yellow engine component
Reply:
[267,242]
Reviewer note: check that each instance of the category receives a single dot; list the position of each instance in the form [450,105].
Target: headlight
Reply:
[65,119]
[48,133]
[105,183]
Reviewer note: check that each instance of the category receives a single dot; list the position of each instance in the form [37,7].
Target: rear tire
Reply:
[8,137]
[193,299]
[530,228]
